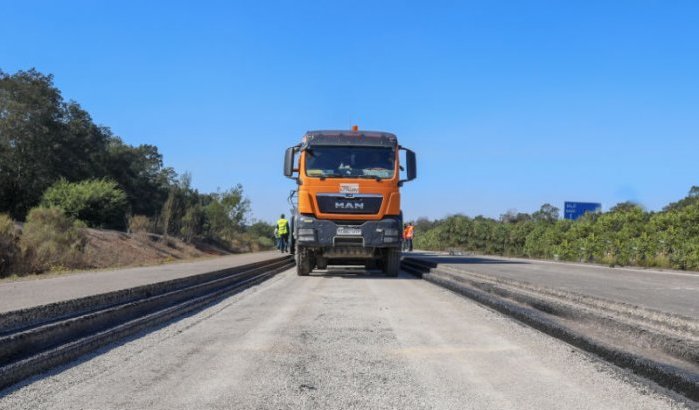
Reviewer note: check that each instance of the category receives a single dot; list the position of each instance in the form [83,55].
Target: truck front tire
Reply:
[391,262]
[303,262]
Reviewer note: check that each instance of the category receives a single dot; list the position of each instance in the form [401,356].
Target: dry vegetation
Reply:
[50,241]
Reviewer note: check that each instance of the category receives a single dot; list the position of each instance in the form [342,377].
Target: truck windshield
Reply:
[350,162]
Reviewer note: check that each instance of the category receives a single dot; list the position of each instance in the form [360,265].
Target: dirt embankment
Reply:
[113,249]
[52,248]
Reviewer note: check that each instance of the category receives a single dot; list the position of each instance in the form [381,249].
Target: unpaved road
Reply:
[346,340]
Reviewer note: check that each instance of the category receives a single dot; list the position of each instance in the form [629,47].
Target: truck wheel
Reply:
[391,262]
[303,262]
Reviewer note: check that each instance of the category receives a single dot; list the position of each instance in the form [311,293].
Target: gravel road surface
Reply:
[345,340]
[29,293]
[670,291]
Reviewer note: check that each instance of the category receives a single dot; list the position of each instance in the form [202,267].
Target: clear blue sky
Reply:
[508,104]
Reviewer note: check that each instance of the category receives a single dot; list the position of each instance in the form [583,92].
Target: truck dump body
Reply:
[348,198]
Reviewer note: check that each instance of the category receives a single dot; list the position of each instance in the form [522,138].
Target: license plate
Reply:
[349,188]
[343,230]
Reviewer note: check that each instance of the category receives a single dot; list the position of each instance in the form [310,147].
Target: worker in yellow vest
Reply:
[283,232]
[276,237]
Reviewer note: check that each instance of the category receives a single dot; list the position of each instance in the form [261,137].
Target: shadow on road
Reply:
[346,272]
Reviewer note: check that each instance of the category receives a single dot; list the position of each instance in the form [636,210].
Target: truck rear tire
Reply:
[303,262]
[391,262]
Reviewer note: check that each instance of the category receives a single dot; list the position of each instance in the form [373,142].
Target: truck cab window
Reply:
[350,162]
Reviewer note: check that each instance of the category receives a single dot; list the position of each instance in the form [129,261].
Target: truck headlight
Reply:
[390,232]
[306,235]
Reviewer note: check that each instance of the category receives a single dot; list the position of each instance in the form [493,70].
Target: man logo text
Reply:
[349,205]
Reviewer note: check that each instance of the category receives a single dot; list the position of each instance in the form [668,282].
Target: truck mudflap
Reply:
[321,233]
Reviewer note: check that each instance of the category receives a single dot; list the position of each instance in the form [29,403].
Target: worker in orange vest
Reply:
[408,233]
[402,235]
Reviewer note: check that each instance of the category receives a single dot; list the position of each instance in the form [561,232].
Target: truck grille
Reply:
[340,241]
[345,204]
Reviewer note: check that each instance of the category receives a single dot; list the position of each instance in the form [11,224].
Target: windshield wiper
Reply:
[322,177]
[376,177]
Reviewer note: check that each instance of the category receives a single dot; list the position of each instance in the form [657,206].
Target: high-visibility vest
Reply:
[283,226]
[409,232]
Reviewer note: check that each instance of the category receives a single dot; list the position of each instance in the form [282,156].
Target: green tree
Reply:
[44,139]
[193,223]
[691,199]
[513,217]
[625,206]
[140,173]
[30,132]
[547,213]
[9,245]
[226,213]
[98,202]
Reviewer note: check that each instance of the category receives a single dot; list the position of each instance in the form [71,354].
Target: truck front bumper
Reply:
[321,233]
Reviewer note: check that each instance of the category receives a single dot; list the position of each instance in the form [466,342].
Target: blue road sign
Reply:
[574,210]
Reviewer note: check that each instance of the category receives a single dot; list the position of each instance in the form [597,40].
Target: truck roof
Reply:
[348,137]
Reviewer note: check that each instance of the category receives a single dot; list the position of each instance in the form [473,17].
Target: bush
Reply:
[9,245]
[193,223]
[51,240]
[265,242]
[140,224]
[262,233]
[98,202]
[626,235]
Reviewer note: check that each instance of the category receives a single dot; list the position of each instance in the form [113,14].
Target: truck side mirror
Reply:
[411,165]
[289,162]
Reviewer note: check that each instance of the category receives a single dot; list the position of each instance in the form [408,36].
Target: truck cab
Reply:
[348,207]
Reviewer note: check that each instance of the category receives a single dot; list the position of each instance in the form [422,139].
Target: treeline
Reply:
[626,235]
[52,155]
[44,139]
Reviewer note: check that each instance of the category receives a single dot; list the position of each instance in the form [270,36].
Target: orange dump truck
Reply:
[348,207]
